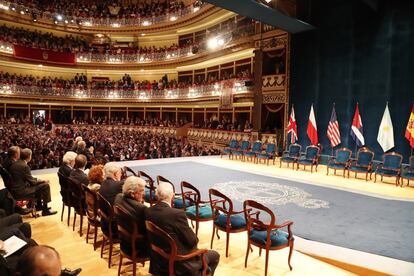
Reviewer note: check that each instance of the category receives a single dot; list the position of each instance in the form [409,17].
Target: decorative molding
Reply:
[273,82]
[279,97]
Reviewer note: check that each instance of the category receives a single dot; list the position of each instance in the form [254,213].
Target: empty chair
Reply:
[199,210]
[240,151]
[269,235]
[340,162]
[92,214]
[363,163]
[133,243]
[233,145]
[269,154]
[390,166]
[291,156]
[408,172]
[256,149]
[171,253]
[108,225]
[224,217]
[149,188]
[310,158]
[178,198]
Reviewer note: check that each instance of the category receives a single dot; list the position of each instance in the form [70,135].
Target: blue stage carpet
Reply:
[379,226]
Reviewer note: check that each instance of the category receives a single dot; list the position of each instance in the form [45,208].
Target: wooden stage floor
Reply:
[309,258]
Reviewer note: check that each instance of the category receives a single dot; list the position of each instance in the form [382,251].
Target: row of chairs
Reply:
[219,209]
[255,153]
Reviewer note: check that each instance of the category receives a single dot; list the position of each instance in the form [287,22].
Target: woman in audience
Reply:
[95,177]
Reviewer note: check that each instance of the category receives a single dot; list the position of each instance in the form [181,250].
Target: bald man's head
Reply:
[39,260]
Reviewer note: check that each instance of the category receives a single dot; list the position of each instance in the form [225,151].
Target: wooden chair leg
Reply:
[74,222]
[111,245]
[290,254]
[103,245]
[95,235]
[87,233]
[260,251]
[69,215]
[63,211]
[196,230]
[267,261]
[212,237]
[81,225]
[134,268]
[247,254]
[227,243]
[120,264]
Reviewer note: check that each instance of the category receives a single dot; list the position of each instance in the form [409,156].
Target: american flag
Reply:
[333,130]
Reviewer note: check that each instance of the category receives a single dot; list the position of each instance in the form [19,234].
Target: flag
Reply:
[409,131]
[333,130]
[312,130]
[356,129]
[292,127]
[386,133]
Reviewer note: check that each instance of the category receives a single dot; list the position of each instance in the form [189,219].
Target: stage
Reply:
[350,221]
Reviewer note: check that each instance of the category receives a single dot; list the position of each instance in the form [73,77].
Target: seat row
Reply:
[219,209]
[391,165]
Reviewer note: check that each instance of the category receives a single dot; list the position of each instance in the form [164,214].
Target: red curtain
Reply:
[44,56]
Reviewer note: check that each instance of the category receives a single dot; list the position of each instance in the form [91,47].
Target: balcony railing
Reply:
[61,19]
[197,91]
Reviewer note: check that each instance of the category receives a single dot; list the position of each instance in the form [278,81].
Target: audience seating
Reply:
[266,236]
[256,149]
[124,222]
[224,217]
[178,198]
[309,158]
[78,198]
[92,214]
[390,166]
[340,162]
[408,172]
[171,254]
[199,211]
[291,156]
[106,213]
[269,154]
[126,170]
[363,163]
[149,188]
[241,151]
[233,145]
[65,193]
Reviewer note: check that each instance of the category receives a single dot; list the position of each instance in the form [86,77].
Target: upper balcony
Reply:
[114,18]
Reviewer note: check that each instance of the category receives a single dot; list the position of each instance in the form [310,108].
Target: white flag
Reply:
[386,133]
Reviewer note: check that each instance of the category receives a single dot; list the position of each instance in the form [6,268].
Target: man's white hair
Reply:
[132,184]
[165,191]
[78,139]
[110,169]
[69,157]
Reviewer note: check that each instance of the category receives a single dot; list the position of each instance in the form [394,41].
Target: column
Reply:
[258,99]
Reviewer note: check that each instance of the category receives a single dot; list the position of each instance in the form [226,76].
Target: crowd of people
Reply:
[104,144]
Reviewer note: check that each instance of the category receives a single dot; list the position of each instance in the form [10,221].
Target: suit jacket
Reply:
[137,211]
[65,170]
[174,222]
[80,176]
[22,178]
[110,188]
[7,163]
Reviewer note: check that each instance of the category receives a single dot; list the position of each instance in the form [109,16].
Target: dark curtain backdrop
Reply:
[356,54]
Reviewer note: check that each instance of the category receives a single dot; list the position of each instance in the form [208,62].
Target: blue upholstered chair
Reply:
[198,211]
[363,163]
[224,217]
[256,149]
[340,162]
[309,158]
[291,156]
[390,166]
[269,235]
[408,172]
[233,145]
[150,189]
[241,151]
[269,154]
[178,198]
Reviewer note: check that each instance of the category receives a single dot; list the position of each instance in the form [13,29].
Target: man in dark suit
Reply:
[174,222]
[25,185]
[13,154]
[78,173]
[132,201]
[112,185]
[68,162]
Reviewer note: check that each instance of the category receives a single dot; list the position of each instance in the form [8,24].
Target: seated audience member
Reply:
[13,154]
[132,201]
[75,143]
[68,162]
[95,177]
[25,185]
[82,150]
[15,222]
[112,185]
[42,260]
[78,173]
[174,222]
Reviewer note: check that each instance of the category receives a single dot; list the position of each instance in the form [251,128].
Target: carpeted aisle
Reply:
[361,222]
